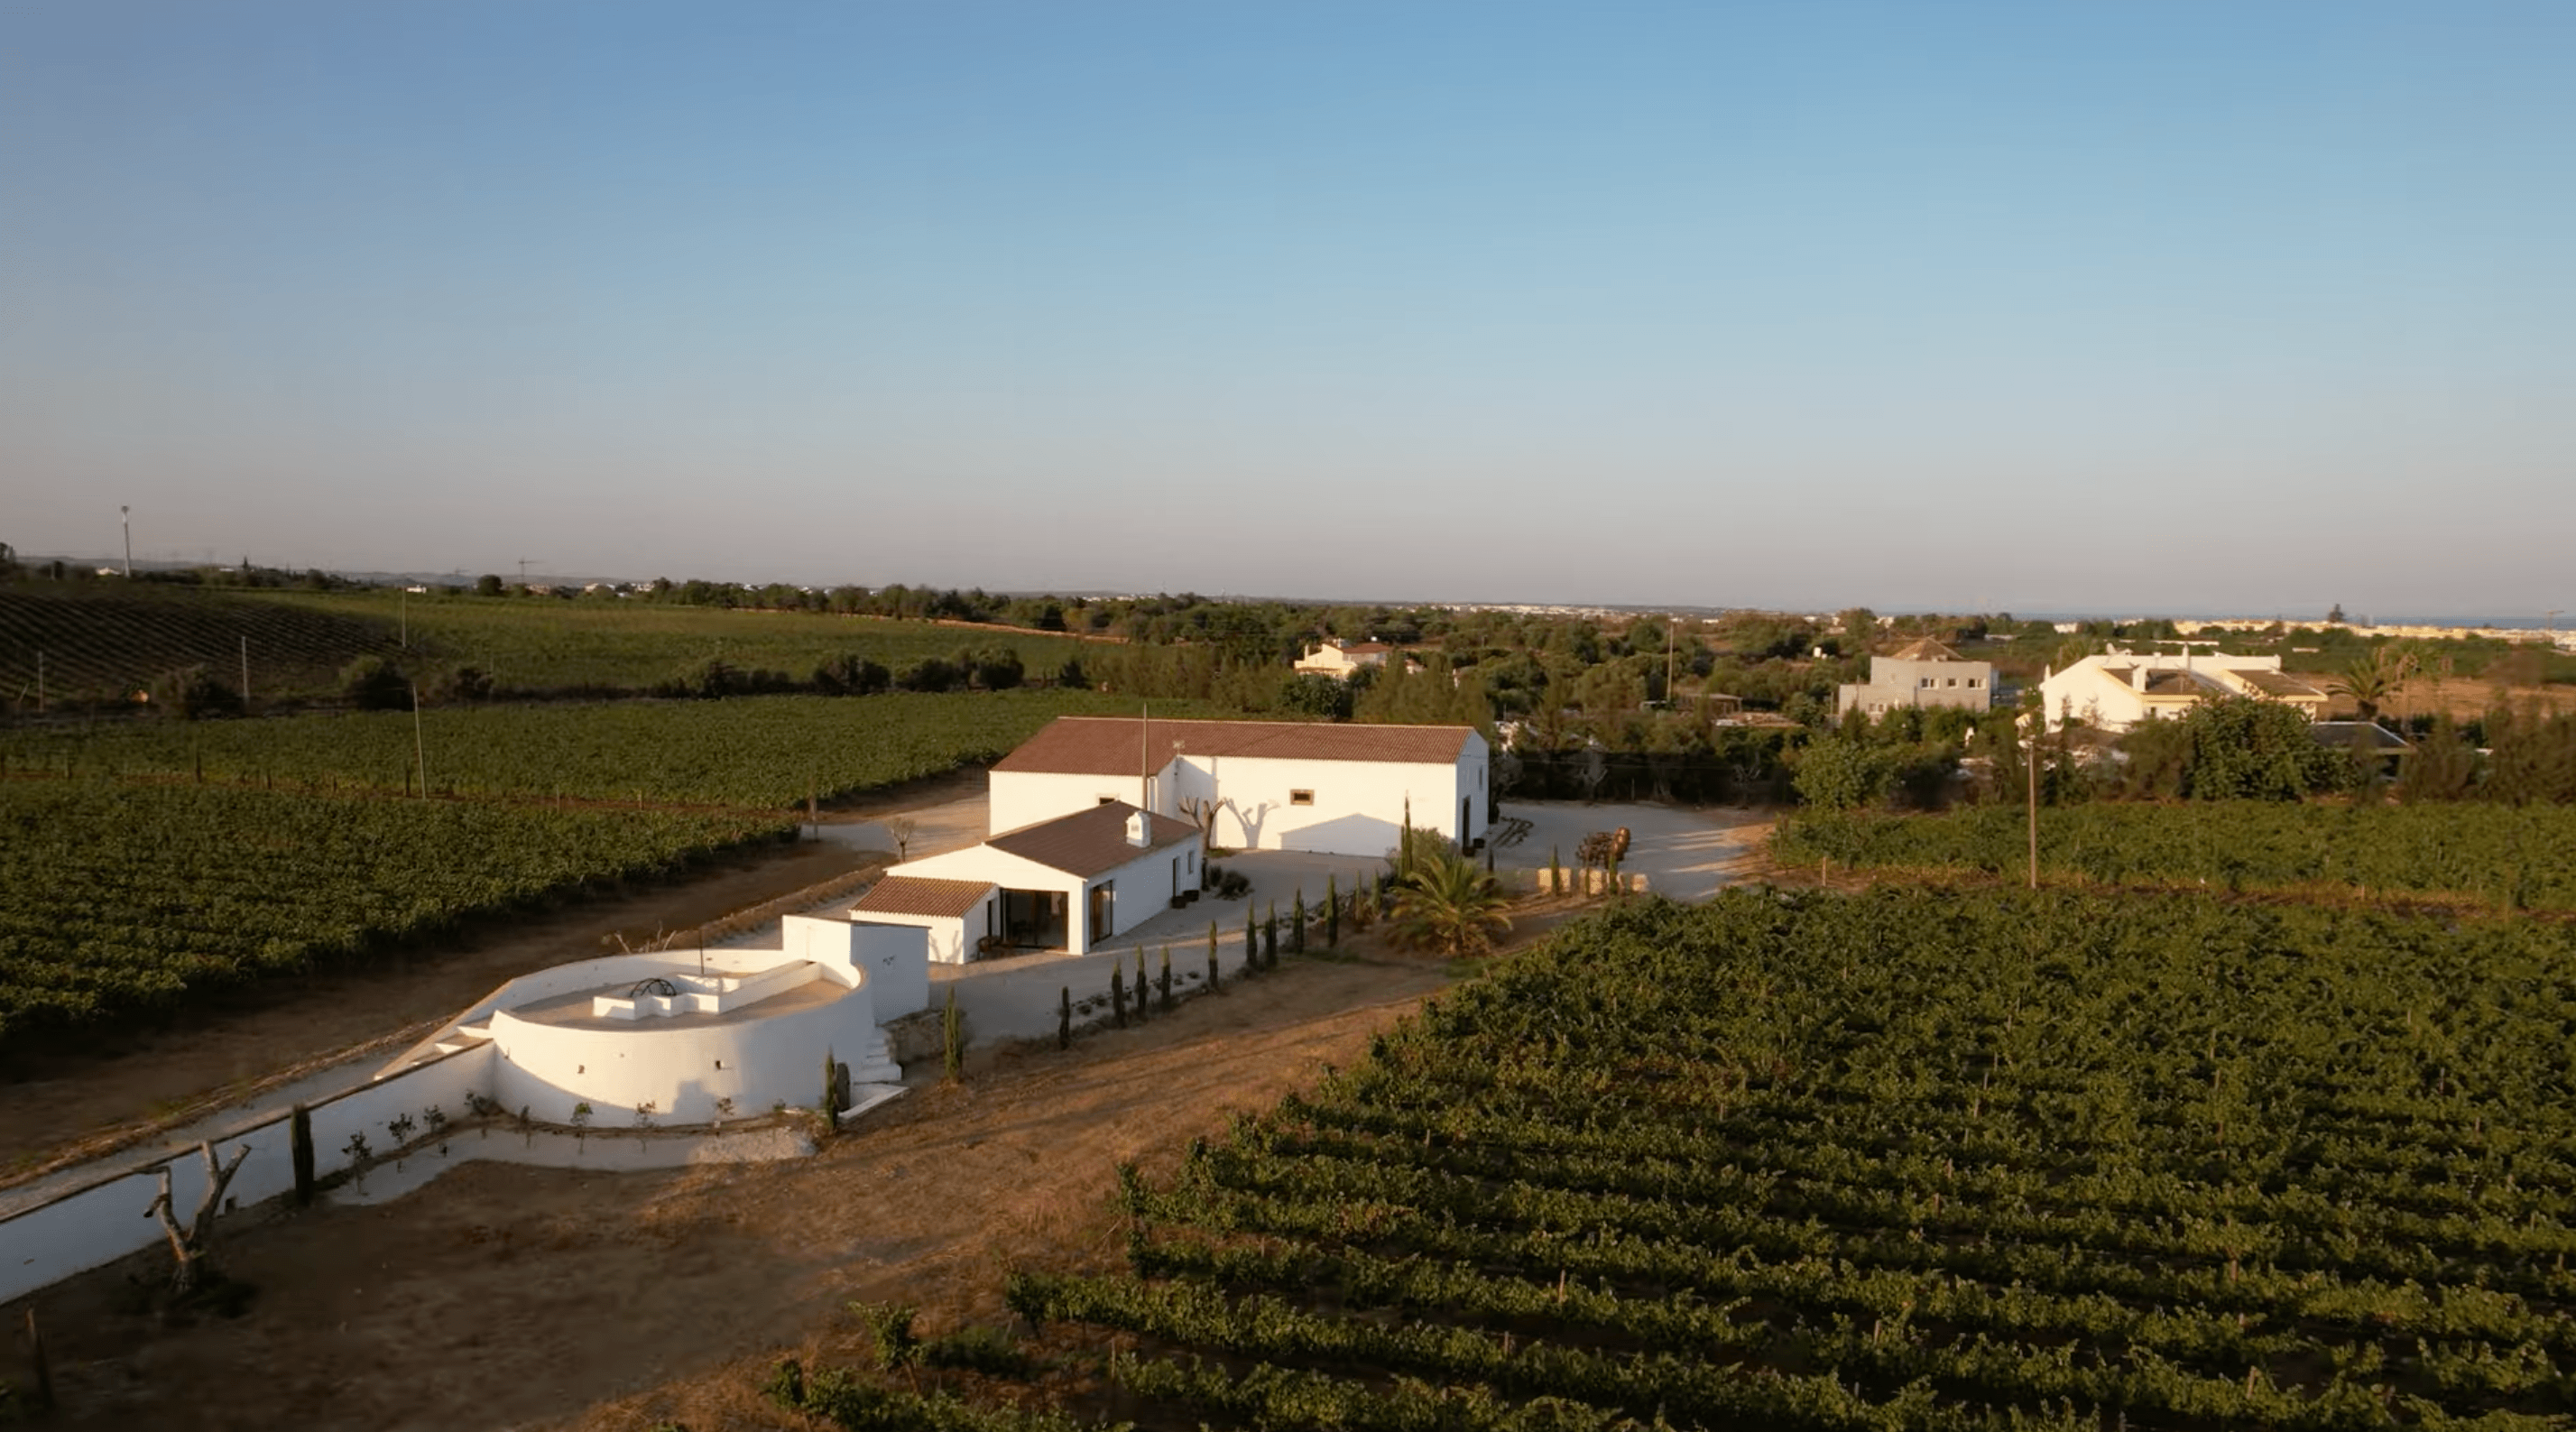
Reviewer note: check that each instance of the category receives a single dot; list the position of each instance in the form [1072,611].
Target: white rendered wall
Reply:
[1358,805]
[952,938]
[107,1220]
[1020,798]
[894,961]
[548,1070]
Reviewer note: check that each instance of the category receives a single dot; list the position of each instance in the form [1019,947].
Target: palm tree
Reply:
[2372,679]
[1449,906]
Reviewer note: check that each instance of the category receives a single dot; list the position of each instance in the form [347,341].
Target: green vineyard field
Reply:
[121,898]
[763,751]
[100,642]
[1914,1158]
[103,641]
[2514,855]
[538,644]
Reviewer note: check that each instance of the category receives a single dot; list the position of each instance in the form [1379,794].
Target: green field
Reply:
[607,645]
[117,898]
[99,641]
[759,751]
[2515,855]
[1908,1159]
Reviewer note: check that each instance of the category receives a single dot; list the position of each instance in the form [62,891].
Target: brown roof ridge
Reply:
[1125,745]
[1090,841]
[922,895]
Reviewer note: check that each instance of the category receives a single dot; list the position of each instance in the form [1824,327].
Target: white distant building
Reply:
[1255,785]
[1342,659]
[2118,689]
[1922,673]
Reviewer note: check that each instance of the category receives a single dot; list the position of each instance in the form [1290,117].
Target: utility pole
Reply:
[1672,635]
[125,515]
[2034,799]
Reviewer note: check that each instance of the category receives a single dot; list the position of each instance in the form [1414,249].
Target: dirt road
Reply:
[506,1296]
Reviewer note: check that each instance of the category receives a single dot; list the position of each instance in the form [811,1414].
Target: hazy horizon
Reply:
[2197,310]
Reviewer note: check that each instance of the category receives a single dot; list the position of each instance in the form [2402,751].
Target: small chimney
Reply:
[1136,830]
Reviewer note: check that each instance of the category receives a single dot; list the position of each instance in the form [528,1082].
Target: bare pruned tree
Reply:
[903,829]
[189,1241]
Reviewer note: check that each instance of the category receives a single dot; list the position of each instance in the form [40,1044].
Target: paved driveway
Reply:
[1684,853]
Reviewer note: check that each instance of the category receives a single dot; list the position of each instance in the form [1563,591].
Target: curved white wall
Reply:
[547,1069]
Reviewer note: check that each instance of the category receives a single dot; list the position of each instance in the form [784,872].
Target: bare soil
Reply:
[520,1297]
[114,1081]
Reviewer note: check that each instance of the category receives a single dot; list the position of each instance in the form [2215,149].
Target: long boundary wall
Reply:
[109,1219]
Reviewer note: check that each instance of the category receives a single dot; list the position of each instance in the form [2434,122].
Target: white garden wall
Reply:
[107,1220]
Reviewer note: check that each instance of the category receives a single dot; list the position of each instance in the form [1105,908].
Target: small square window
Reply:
[1301,798]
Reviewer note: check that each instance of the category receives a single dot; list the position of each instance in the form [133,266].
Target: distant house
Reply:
[1255,785]
[1922,673]
[1341,659]
[2118,689]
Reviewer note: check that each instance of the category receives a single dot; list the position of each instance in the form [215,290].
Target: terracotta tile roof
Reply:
[922,895]
[1110,745]
[1088,842]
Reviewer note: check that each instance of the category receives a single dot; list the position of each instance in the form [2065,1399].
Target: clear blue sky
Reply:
[2171,307]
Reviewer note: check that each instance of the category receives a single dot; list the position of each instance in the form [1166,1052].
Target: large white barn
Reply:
[1255,785]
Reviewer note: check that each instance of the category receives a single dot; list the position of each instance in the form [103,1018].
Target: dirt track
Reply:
[504,1296]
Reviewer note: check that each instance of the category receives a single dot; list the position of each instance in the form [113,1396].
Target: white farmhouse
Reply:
[1066,883]
[2118,689]
[1256,785]
[1341,659]
[1921,673]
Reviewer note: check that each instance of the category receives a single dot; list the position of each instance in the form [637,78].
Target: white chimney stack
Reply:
[1136,830]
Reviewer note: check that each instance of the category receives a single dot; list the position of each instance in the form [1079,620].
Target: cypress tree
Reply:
[1332,912]
[1297,925]
[1064,1019]
[952,1038]
[1118,994]
[1212,975]
[1251,939]
[1165,978]
[1270,939]
[1140,984]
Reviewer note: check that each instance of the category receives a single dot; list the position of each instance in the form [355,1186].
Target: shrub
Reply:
[851,675]
[928,674]
[192,693]
[372,683]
